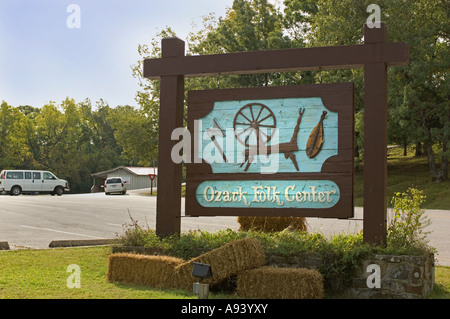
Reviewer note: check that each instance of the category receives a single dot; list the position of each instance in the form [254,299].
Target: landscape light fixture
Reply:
[201,271]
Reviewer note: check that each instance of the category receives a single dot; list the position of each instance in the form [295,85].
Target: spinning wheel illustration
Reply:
[254,124]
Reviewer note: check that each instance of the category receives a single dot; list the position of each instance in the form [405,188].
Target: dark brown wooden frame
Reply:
[374,56]
[336,97]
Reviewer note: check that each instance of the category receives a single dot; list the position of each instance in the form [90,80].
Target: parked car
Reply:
[115,185]
[15,182]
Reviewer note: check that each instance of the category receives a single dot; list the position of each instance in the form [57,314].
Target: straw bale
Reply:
[154,271]
[280,283]
[225,261]
[271,224]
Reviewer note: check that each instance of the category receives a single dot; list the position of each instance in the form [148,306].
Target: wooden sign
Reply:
[277,151]
[374,56]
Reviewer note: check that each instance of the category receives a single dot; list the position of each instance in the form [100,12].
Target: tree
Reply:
[419,92]
[70,139]
[252,25]
[331,23]
[14,149]
[423,87]
[102,148]
[136,132]
[75,141]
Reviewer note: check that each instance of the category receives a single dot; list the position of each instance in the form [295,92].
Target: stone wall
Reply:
[379,276]
[401,277]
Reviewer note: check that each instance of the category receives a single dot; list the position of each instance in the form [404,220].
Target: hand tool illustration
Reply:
[217,130]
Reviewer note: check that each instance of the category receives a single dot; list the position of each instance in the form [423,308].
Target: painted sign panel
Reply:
[277,151]
[268,128]
[262,194]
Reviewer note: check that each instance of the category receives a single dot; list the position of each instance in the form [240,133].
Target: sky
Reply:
[50,50]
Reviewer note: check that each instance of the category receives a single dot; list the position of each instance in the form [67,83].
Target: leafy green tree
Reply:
[59,135]
[136,132]
[70,139]
[252,25]
[74,141]
[50,129]
[422,89]
[102,148]
[129,122]
[14,126]
[331,23]
[419,92]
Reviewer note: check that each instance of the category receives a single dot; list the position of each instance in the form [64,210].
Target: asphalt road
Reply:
[33,221]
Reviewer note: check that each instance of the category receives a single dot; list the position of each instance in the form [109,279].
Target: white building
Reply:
[135,177]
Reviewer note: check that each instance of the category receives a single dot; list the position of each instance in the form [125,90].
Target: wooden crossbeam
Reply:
[319,58]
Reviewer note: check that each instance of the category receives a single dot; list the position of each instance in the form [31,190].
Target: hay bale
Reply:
[154,271]
[271,224]
[225,262]
[280,283]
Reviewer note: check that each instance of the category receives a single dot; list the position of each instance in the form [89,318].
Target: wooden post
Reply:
[168,202]
[375,139]
[203,291]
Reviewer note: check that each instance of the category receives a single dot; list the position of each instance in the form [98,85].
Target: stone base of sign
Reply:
[401,277]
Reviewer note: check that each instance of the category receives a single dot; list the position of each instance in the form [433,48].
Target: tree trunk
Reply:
[444,161]
[419,151]
[437,174]
[431,161]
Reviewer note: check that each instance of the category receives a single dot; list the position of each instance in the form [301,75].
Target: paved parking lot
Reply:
[33,221]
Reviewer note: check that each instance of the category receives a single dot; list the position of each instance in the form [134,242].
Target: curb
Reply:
[85,242]
[4,245]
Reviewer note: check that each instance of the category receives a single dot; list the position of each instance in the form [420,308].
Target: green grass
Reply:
[409,171]
[441,284]
[42,274]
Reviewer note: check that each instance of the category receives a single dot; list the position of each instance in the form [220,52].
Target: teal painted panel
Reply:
[268,194]
[285,113]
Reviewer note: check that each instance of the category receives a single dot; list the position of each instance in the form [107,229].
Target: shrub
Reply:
[407,227]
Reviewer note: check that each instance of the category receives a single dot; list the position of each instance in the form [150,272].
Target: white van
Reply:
[16,182]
